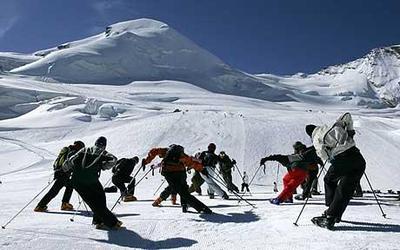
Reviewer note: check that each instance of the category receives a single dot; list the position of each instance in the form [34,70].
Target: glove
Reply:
[263,160]
[136,160]
[205,172]
[143,164]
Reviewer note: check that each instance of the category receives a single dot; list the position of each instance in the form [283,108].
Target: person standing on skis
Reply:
[62,179]
[173,168]
[297,165]
[86,166]
[336,144]
[225,168]
[245,183]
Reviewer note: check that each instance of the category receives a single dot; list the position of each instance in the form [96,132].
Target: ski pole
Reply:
[77,209]
[240,174]
[373,191]
[276,181]
[308,197]
[258,169]
[162,183]
[22,209]
[234,192]
[120,197]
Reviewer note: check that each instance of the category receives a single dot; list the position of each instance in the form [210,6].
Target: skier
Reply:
[62,179]
[209,160]
[225,169]
[197,181]
[336,145]
[173,168]
[122,174]
[86,166]
[245,183]
[297,165]
[308,184]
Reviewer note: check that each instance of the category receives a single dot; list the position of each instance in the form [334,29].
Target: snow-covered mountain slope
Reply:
[145,49]
[372,81]
[141,115]
[12,60]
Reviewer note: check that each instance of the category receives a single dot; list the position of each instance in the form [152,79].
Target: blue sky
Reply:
[273,36]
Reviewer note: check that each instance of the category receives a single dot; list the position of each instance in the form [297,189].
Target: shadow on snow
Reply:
[245,217]
[368,227]
[128,238]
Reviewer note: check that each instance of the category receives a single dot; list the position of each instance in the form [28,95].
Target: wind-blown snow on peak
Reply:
[145,49]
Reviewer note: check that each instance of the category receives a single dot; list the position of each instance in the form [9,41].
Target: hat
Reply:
[101,142]
[310,128]
[212,147]
[79,144]
[299,145]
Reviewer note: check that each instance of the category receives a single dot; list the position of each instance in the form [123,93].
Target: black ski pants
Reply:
[120,181]
[93,194]
[61,180]
[245,185]
[312,176]
[167,192]
[177,181]
[341,180]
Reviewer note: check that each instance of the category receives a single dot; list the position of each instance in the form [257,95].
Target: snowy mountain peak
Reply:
[142,27]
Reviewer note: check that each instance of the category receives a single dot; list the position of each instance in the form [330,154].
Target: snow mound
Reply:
[145,49]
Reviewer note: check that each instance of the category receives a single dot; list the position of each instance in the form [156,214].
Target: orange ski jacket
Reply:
[184,161]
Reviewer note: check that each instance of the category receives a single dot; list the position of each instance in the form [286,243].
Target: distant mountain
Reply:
[145,49]
[373,80]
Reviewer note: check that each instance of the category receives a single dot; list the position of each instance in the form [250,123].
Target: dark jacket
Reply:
[124,167]
[87,164]
[209,159]
[225,164]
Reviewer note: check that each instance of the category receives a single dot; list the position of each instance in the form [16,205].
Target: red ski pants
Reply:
[291,181]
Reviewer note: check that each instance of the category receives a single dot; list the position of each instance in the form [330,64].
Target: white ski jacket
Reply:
[330,141]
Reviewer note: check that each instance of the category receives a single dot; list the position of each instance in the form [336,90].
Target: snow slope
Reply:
[140,115]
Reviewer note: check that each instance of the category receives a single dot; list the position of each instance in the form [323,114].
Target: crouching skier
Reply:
[297,165]
[122,174]
[62,179]
[336,145]
[173,168]
[86,166]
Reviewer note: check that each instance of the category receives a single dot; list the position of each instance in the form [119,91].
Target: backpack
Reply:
[174,154]
[61,158]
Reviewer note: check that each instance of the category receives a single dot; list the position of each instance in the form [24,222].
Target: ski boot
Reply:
[173,199]
[275,201]
[65,206]
[129,197]
[184,208]
[337,219]
[211,195]
[324,222]
[40,209]
[157,202]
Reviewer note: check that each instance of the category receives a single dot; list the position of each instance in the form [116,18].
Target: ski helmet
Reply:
[101,142]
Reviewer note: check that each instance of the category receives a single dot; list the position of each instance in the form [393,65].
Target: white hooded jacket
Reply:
[330,141]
